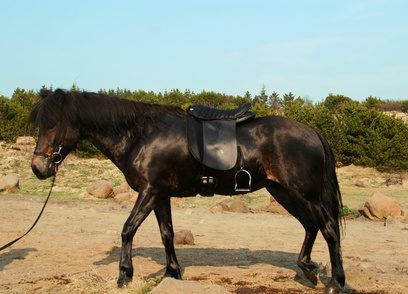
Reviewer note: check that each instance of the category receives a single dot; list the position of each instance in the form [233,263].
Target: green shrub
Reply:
[358,132]
[348,212]
[404,107]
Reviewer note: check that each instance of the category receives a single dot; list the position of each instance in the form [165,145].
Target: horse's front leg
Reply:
[163,215]
[144,205]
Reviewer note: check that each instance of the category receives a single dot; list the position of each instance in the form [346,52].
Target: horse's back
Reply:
[291,153]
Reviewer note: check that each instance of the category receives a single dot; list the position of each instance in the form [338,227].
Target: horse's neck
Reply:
[113,147]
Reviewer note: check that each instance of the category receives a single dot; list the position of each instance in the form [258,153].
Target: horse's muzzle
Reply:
[42,167]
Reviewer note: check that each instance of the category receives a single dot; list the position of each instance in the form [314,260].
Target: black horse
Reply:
[148,144]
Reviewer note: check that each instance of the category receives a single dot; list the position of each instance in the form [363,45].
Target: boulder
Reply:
[171,286]
[184,237]
[275,207]
[380,206]
[123,188]
[100,189]
[9,182]
[230,205]
[219,208]
[122,197]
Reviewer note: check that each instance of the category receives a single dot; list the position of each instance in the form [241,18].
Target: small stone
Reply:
[123,188]
[275,207]
[360,183]
[9,182]
[122,197]
[218,208]
[184,237]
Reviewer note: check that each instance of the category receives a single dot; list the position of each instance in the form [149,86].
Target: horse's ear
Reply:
[44,92]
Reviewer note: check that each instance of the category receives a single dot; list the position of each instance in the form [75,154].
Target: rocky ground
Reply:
[75,247]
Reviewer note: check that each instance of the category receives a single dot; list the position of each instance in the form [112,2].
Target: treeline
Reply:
[359,132]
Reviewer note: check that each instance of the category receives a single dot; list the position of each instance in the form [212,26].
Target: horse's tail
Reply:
[331,195]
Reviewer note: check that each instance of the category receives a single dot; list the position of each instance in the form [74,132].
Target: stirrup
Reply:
[245,177]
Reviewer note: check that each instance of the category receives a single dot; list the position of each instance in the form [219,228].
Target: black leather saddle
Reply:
[238,114]
[212,134]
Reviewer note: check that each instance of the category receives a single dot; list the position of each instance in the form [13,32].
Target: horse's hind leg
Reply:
[305,263]
[163,215]
[144,205]
[302,210]
[331,232]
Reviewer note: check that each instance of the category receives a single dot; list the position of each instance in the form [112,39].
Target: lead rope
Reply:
[38,217]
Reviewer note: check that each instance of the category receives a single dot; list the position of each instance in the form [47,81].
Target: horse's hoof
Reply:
[170,273]
[311,275]
[123,281]
[333,288]
[309,270]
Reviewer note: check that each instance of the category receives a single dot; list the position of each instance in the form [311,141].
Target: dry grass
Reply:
[93,282]
[373,181]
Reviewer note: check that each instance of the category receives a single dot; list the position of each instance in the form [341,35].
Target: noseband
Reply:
[55,156]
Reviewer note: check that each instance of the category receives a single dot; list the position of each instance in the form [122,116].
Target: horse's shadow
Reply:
[14,254]
[218,257]
[210,257]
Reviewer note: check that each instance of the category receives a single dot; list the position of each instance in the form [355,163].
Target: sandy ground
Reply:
[75,248]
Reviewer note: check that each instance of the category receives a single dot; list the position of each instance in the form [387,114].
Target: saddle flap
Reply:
[220,145]
[213,143]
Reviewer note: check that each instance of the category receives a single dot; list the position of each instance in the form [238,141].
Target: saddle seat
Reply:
[238,114]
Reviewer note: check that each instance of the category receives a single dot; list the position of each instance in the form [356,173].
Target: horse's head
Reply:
[55,117]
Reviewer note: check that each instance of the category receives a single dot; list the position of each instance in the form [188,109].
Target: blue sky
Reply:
[312,48]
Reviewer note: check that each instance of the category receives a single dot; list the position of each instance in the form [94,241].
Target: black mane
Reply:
[97,111]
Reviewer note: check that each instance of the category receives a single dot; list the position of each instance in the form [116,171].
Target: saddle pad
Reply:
[213,143]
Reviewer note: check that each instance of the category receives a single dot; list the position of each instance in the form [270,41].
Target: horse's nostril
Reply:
[36,171]
[39,168]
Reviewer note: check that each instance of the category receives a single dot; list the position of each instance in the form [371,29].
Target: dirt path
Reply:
[75,248]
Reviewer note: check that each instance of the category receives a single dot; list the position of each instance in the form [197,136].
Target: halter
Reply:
[55,155]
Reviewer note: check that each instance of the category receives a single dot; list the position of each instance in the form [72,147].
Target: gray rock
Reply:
[9,181]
